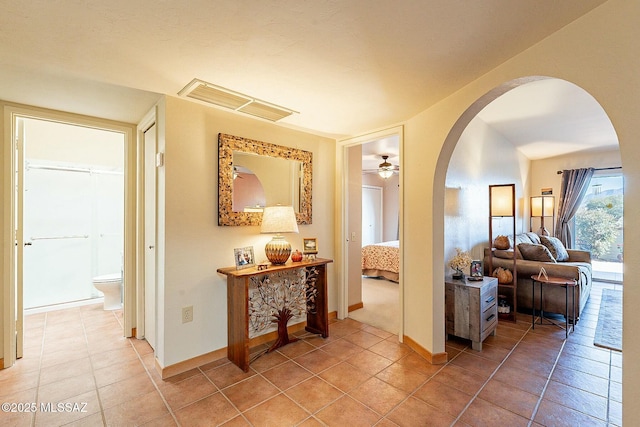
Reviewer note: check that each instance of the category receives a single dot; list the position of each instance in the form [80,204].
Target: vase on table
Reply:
[458,274]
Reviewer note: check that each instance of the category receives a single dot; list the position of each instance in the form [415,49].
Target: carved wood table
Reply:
[311,275]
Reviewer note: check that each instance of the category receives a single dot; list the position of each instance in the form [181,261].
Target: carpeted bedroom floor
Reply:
[381,300]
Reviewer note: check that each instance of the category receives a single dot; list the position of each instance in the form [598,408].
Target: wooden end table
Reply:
[554,281]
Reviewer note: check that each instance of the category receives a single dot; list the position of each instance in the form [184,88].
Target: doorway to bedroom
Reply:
[375,291]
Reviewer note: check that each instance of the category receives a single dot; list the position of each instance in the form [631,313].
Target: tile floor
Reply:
[359,376]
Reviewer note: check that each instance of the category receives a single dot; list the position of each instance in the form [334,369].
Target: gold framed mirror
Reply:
[253,174]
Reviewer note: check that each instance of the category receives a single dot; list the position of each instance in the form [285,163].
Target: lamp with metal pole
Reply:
[541,207]
[278,220]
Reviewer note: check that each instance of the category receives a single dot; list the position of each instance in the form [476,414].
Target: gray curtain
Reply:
[575,183]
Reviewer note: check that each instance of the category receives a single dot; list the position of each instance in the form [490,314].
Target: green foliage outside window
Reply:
[598,224]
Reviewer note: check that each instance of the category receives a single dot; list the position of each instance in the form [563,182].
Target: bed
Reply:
[382,260]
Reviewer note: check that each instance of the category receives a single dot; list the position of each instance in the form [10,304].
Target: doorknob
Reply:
[27,243]
[151,247]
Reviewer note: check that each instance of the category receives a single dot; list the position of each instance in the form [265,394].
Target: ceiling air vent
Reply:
[216,95]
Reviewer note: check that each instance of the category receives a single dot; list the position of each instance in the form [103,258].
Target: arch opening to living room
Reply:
[520,132]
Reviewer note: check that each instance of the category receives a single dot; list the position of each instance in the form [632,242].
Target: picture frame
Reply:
[309,245]
[476,270]
[244,257]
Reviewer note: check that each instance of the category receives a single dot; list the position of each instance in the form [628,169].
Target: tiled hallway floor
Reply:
[359,376]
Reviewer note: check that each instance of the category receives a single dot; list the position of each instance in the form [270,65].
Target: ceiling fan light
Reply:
[385,169]
[385,172]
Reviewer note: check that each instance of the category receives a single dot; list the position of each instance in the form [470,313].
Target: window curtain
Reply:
[575,183]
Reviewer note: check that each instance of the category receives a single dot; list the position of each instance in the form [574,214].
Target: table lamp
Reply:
[278,220]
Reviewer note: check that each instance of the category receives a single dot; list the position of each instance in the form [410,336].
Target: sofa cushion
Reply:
[535,252]
[504,253]
[556,248]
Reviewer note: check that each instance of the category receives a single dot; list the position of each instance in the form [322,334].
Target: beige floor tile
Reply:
[347,412]
[314,394]
[125,390]
[228,374]
[392,350]
[378,395]
[402,377]
[138,411]
[445,398]
[249,393]
[414,412]
[317,361]
[509,397]
[287,375]
[73,409]
[212,410]
[554,414]
[277,411]
[344,376]
[369,362]
[187,391]
[61,390]
[482,413]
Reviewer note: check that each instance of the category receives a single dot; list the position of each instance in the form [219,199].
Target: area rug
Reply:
[609,328]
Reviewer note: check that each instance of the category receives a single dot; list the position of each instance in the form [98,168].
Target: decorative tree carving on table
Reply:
[278,298]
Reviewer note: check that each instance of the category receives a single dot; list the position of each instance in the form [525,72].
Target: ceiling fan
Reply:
[385,169]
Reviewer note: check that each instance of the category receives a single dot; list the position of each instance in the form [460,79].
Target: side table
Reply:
[471,309]
[554,281]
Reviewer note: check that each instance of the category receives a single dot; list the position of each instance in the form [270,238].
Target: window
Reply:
[598,226]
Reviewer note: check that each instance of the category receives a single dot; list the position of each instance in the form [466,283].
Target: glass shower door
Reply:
[58,236]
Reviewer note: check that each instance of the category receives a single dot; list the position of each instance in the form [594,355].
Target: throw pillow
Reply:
[556,248]
[535,252]
[501,242]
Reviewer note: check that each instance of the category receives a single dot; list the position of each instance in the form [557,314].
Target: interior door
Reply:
[371,215]
[150,235]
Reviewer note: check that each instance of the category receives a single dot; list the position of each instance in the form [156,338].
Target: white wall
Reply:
[195,246]
[481,157]
[544,172]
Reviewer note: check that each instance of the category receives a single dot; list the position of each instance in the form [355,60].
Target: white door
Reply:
[371,215]
[150,236]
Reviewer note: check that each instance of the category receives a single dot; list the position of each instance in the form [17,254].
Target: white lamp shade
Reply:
[279,219]
[501,199]
[542,206]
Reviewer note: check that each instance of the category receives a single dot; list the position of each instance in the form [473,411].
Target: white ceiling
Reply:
[347,67]
[551,117]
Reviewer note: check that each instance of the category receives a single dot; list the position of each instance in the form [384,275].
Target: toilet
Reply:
[111,286]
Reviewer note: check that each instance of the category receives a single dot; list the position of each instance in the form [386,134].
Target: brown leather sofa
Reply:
[577,267]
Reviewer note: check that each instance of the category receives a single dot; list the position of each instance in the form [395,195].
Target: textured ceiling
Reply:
[346,66]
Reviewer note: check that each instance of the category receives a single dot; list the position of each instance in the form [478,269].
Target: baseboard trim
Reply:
[185,365]
[434,359]
[355,307]
[189,364]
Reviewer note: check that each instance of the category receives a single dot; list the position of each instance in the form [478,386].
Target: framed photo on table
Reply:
[476,270]
[244,257]
[309,245]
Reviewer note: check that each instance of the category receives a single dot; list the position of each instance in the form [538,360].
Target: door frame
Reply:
[11,111]
[342,212]
[145,124]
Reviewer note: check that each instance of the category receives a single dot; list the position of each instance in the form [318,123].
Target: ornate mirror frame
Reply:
[227,144]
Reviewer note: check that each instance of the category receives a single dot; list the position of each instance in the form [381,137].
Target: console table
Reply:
[238,303]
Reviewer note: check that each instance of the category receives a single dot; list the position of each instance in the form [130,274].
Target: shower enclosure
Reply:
[73,211]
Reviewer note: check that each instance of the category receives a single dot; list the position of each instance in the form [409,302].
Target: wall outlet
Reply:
[187,314]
